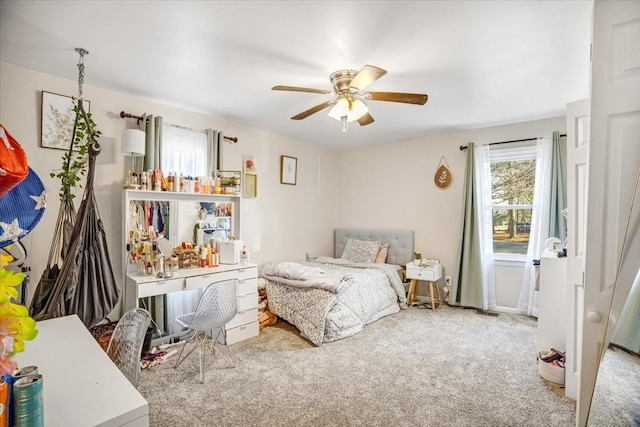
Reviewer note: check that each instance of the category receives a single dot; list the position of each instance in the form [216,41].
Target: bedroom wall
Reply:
[391,186]
[387,185]
[283,222]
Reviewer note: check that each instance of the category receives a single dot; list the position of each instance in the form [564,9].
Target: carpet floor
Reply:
[452,367]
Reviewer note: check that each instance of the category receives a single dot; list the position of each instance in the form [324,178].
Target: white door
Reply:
[614,161]
[577,155]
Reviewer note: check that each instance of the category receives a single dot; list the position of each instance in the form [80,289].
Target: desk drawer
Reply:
[242,333]
[160,287]
[246,302]
[247,273]
[247,286]
[243,275]
[197,282]
[243,317]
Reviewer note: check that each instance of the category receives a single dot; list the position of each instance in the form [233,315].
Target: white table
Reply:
[430,274]
[81,385]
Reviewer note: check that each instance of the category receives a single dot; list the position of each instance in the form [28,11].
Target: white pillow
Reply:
[361,250]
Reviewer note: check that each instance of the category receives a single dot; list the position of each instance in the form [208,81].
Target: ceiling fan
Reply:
[349,102]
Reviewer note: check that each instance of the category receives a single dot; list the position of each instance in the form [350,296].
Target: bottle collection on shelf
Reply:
[154,180]
[149,260]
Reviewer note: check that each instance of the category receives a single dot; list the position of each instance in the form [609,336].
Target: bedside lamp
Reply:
[133,144]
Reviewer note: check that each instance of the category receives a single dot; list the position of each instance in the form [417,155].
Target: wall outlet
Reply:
[447,280]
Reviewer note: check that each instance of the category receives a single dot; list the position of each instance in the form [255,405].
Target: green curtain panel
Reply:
[153,142]
[468,291]
[557,221]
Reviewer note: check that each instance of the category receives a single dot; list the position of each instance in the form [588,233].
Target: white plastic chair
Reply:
[126,342]
[216,307]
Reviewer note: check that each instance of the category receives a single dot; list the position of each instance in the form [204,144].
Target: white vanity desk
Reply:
[244,325]
[81,385]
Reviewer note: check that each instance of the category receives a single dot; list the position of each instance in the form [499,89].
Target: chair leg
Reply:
[203,343]
[180,358]
[201,354]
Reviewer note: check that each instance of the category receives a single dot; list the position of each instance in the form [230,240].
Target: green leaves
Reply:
[74,161]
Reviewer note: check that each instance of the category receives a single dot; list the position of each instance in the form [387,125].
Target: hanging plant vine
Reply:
[74,161]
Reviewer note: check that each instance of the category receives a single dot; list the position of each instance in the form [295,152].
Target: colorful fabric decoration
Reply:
[13,162]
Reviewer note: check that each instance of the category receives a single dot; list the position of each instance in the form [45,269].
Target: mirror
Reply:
[199,222]
[616,395]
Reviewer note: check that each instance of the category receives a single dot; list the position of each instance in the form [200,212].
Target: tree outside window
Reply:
[512,184]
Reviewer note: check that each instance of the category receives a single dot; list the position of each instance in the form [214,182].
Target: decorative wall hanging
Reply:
[288,170]
[250,184]
[58,118]
[249,164]
[443,178]
[230,182]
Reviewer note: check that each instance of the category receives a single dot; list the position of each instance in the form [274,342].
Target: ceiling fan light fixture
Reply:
[353,109]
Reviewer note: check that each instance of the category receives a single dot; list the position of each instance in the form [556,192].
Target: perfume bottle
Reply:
[244,256]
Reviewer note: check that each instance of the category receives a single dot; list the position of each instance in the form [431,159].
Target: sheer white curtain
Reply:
[184,151]
[539,233]
[482,160]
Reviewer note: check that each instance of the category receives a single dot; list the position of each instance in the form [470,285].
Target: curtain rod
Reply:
[464,147]
[124,115]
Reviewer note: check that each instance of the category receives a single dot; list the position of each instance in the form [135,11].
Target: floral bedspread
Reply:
[373,291]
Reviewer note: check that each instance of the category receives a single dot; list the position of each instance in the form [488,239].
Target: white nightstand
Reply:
[429,274]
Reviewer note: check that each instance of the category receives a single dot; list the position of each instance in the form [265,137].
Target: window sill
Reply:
[506,260]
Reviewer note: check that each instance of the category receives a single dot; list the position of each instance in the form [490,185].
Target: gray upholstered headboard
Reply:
[400,242]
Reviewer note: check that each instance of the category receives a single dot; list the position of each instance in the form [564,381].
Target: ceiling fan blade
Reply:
[366,76]
[302,89]
[365,120]
[312,110]
[407,98]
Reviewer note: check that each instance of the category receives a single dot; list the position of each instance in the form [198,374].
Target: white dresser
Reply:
[244,325]
[552,303]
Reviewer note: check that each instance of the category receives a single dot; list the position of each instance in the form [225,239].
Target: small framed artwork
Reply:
[230,181]
[288,170]
[249,164]
[58,118]
[250,186]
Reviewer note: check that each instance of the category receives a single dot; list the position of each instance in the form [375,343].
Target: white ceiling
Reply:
[482,63]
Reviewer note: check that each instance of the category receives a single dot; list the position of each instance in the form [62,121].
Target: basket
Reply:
[550,372]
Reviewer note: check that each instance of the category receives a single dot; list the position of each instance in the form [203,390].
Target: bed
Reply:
[331,298]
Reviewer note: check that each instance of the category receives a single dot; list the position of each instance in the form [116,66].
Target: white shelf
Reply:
[174,196]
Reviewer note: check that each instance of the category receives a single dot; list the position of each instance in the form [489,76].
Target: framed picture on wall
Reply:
[288,170]
[57,119]
[250,186]
[230,181]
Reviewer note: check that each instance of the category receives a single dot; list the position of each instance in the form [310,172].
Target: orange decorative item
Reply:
[13,162]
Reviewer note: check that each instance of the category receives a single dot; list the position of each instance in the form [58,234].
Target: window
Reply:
[184,151]
[513,173]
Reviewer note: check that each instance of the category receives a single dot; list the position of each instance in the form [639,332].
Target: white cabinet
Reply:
[552,303]
[245,324]
[431,274]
